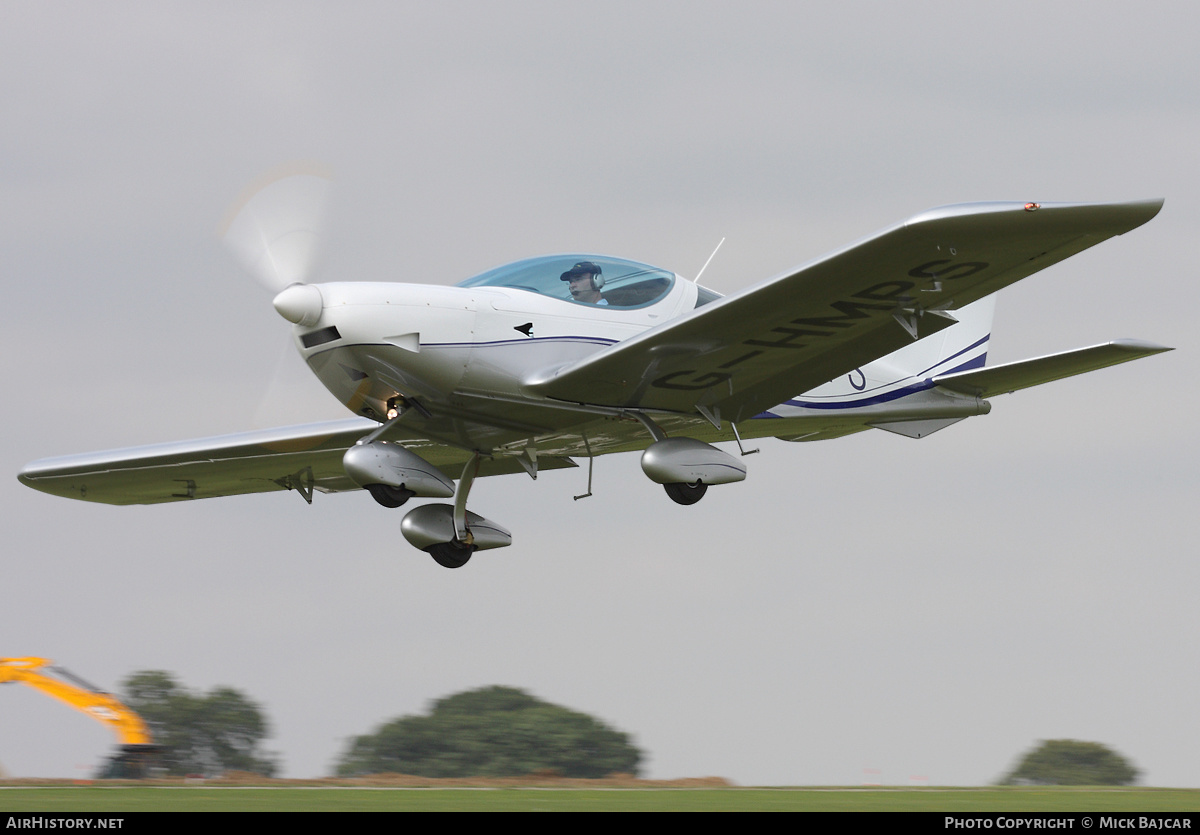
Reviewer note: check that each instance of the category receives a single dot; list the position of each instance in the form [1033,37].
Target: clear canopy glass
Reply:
[614,282]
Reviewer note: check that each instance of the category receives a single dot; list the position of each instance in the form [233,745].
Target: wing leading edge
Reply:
[753,349]
[303,458]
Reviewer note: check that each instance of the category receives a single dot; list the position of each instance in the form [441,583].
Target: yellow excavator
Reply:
[137,752]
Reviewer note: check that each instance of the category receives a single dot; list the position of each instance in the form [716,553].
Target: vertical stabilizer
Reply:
[959,347]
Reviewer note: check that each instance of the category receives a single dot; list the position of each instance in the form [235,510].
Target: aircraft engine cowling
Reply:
[688,461]
[379,462]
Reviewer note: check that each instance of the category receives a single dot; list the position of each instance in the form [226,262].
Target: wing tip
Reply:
[31,473]
[1140,346]
[1117,218]
[1142,211]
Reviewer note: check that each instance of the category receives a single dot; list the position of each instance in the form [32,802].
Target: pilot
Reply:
[586,280]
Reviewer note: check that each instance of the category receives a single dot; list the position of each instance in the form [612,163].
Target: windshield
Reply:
[582,279]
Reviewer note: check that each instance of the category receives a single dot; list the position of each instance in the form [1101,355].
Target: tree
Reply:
[492,732]
[200,734]
[1069,762]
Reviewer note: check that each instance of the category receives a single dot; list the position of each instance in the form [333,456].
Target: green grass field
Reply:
[325,799]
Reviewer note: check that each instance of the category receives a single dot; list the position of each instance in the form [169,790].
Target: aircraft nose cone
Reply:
[300,304]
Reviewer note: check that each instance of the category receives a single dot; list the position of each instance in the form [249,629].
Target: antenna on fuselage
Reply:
[696,280]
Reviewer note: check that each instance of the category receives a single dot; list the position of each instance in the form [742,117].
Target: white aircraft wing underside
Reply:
[750,350]
[247,462]
[303,458]
[308,458]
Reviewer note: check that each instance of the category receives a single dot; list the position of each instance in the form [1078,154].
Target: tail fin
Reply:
[941,379]
[959,347]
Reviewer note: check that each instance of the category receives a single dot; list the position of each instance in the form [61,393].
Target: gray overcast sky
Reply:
[868,609]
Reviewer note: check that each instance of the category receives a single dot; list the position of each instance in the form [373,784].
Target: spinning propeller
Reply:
[273,231]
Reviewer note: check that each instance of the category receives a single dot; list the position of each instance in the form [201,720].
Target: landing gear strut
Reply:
[686,493]
[389,496]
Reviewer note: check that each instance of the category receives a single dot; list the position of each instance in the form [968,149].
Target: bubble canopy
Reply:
[622,284]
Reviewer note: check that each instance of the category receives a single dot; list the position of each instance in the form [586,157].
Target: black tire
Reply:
[452,554]
[389,496]
[686,493]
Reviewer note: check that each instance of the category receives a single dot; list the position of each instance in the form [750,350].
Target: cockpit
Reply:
[582,279]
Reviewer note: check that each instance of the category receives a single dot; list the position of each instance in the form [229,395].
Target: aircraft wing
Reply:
[302,458]
[754,349]
[1014,376]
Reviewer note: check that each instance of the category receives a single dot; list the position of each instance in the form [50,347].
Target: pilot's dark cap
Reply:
[582,268]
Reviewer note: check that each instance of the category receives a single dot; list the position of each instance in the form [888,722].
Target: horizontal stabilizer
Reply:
[1013,376]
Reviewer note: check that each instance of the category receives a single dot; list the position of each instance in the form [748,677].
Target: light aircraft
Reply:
[531,365]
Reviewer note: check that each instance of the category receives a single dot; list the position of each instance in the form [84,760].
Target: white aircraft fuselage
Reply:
[441,343]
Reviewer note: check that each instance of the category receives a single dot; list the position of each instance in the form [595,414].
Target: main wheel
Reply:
[686,493]
[389,496]
[452,554]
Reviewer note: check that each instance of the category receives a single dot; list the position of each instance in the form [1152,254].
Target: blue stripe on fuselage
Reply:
[895,394]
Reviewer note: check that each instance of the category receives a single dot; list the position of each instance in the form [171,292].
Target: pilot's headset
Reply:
[583,268]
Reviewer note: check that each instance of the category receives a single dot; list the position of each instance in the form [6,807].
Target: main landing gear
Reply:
[389,496]
[393,474]
[686,467]
[683,493]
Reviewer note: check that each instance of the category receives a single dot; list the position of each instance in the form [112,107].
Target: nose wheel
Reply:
[452,554]
[450,533]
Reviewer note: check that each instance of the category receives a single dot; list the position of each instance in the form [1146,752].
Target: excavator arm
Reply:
[135,738]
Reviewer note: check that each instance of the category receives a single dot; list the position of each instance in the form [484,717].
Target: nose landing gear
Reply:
[451,533]
[452,554]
